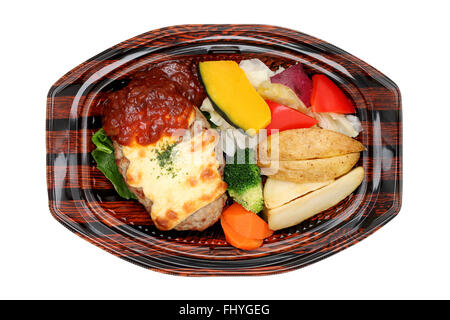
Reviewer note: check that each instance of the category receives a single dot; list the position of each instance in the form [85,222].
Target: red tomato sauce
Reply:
[155,103]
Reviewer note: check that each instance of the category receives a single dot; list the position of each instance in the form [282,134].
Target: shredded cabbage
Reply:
[345,124]
[257,72]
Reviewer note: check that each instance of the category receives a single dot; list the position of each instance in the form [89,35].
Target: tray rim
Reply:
[130,45]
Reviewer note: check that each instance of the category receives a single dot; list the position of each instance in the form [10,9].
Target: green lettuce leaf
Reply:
[102,141]
[106,163]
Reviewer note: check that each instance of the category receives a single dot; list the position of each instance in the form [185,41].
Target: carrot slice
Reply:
[238,241]
[246,223]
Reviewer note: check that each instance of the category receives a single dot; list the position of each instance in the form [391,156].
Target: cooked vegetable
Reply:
[256,71]
[106,163]
[214,117]
[278,192]
[231,137]
[310,143]
[246,223]
[281,94]
[208,117]
[285,118]
[233,96]
[243,229]
[296,78]
[102,141]
[314,170]
[244,180]
[308,155]
[238,241]
[315,202]
[327,97]
[344,123]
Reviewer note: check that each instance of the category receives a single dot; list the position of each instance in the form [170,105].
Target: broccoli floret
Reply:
[244,180]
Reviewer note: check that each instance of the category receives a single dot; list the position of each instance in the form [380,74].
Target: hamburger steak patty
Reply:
[199,220]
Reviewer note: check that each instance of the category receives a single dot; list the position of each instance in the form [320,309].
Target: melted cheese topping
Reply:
[179,178]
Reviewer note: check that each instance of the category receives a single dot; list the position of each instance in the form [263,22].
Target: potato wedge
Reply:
[315,202]
[315,170]
[310,143]
[279,192]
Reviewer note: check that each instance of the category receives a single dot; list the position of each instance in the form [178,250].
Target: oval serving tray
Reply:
[84,201]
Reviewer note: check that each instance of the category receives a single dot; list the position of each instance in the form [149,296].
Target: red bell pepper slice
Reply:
[327,97]
[285,118]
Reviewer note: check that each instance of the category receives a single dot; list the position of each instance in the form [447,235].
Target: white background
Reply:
[406,259]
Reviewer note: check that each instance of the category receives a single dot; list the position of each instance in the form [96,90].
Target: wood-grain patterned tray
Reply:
[84,201]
